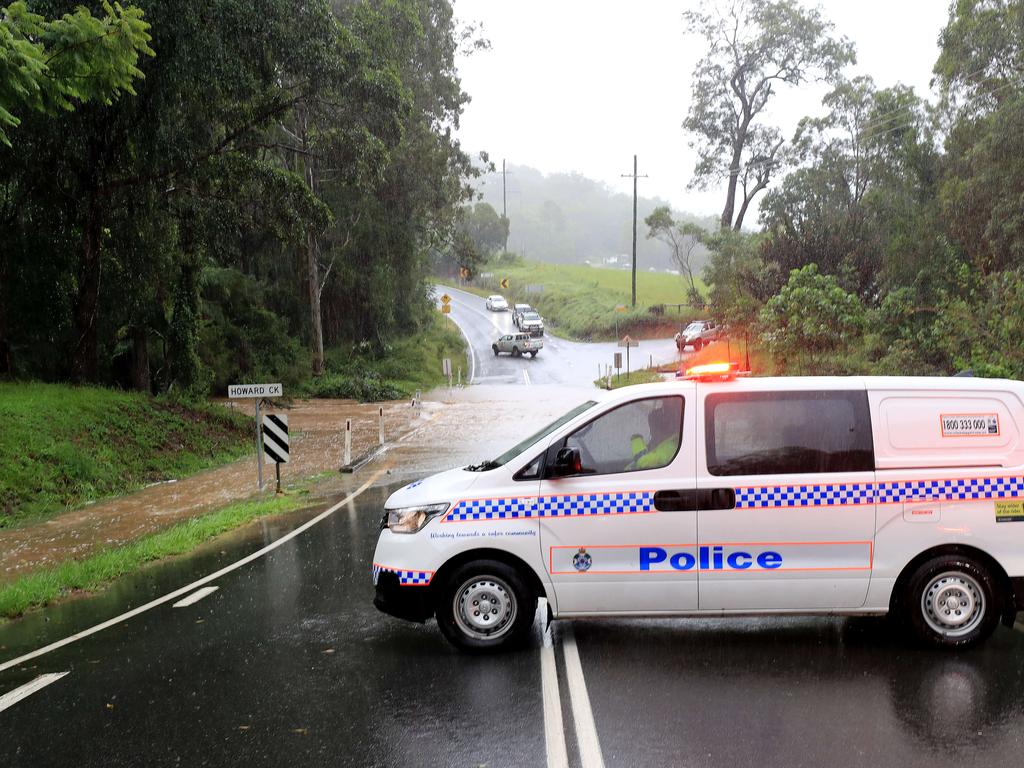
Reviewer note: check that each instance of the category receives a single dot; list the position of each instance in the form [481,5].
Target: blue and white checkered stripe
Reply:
[585,504]
[804,495]
[568,505]
[405,578]
[759,497]
[891,492]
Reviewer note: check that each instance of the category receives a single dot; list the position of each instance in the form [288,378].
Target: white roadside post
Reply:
[256,392]
[446,369]
[348,443]
[380,413]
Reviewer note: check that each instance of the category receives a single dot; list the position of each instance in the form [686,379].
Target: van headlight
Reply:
[411,519]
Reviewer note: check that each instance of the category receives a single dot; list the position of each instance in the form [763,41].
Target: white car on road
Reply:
[497,303]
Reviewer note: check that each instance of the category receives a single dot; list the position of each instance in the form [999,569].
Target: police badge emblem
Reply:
[582,560]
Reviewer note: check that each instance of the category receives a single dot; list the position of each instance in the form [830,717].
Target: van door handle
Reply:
[684,500]
[716,498]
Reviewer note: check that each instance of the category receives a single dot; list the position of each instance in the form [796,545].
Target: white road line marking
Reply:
[12,698]
[526,376]
[586,730]
[554,732]
[195,597]
[198,583]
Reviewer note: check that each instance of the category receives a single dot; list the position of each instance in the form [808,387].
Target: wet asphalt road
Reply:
[561,362]
[288,663]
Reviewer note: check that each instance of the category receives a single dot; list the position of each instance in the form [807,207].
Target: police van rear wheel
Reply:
[485,606]
[951,601]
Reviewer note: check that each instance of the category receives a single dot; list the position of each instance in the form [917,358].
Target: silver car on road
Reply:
[517,344]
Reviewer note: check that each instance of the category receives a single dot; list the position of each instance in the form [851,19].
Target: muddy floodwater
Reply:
[456,421]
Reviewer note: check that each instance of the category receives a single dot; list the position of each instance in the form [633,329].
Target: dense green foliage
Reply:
[51,65]
[895,243]
[579,302]
[276,186]
[61,445]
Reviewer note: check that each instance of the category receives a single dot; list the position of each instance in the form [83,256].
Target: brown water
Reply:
[317,444]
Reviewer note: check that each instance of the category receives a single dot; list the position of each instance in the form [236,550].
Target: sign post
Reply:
[446,369]
[446,307]
[256,392]
[627,343]
[276,442]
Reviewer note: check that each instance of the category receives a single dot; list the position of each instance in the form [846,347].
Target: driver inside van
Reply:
[663,424]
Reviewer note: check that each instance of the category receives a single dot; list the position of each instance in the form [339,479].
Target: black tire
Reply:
[496,585]
[697,344]
[951,601]
[495,348]
[533,354]
[515,351]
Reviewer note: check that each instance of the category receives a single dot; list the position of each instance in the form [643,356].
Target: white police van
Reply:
[724,495]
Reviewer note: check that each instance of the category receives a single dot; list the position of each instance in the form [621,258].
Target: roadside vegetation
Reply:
[579,302]
[406,365]
[892,239]
[93,573]
[63,446]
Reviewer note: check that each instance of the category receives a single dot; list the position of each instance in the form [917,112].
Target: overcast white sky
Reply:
[575,85]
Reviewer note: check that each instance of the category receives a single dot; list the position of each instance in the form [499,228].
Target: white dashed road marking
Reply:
[195,597]
[583,715]
[12,698]
[526,376]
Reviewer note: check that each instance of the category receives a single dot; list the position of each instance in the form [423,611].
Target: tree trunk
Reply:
[5,341]
[743,212]
[316,340]
[84,357]
[730,195]
[140,359]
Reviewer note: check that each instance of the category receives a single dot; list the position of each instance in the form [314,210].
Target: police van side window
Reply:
[644,434]
[771,433]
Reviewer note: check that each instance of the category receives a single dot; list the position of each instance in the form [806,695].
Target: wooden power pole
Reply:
[634,176]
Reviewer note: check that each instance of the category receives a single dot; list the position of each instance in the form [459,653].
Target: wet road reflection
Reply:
[840,692]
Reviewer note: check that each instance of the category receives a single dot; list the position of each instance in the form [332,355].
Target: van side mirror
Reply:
[567,462]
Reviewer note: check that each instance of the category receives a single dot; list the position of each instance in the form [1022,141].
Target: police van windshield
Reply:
[511,453]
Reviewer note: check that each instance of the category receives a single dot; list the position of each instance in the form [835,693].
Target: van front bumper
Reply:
[412,603]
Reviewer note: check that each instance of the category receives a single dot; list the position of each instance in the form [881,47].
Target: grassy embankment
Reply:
[63,446]
[44,586]
[409,364]
[579,302]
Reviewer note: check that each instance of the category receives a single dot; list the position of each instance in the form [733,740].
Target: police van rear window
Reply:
[774,433]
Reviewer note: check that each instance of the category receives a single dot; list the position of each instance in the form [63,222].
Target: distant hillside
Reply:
[569,219]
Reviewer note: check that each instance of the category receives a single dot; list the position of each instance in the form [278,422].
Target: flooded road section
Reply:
[317,436]
[288,663]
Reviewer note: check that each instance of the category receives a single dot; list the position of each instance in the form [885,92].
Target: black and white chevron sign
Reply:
[275,438]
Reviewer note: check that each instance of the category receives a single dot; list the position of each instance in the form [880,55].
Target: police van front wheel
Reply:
[485,606]
[951,601]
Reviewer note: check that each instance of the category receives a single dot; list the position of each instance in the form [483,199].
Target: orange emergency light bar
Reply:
[714,372]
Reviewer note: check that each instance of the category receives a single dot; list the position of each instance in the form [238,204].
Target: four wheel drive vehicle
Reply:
[497,303]
[517,344]
[723,496]
[517,312]
[531,323]
[698,334]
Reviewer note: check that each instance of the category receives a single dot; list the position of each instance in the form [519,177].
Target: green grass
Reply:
[643,376]
[61,446]
[93,573]
[579,301]
[410,363]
